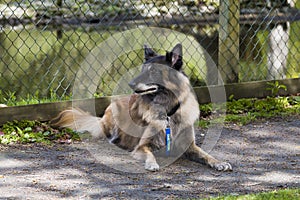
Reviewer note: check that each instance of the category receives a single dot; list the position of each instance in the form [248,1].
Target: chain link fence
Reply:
[44,43]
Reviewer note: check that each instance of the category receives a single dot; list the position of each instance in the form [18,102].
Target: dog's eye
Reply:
[150,68]
[144,67]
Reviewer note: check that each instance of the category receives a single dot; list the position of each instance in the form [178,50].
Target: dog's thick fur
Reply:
[137,122]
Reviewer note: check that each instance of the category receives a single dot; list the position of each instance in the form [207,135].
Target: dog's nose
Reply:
[132,84]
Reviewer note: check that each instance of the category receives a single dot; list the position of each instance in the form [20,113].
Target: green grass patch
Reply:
[244,111]
[11,99]
[287,194]
[25,131]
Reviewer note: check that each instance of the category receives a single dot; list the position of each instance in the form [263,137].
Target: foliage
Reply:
[287,194]
[275,87]
[10,98]
[244,111]
[26,131]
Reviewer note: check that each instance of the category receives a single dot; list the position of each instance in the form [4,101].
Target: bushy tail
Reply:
[78,120]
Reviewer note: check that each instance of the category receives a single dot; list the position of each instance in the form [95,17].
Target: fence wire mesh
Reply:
[43,44]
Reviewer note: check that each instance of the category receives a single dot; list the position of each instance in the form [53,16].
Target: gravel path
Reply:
[265,156]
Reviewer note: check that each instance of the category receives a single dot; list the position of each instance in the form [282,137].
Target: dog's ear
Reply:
[177,49]
[175,57]
[149,53]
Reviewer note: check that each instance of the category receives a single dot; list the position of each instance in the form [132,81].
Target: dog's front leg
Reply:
[144,153]
[143,150]
[195,153]
[156,117]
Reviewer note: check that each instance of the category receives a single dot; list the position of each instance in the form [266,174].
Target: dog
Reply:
[158,117]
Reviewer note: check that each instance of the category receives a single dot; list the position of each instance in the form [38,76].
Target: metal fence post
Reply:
[229,31]
[59,31]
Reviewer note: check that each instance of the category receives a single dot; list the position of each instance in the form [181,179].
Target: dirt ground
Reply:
[265,156]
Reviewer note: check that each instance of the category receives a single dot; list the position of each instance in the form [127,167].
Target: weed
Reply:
[287,194]
[275,87]
[244,111]
[26,131]
[10,98]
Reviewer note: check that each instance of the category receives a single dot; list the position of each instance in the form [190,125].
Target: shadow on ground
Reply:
[265,156]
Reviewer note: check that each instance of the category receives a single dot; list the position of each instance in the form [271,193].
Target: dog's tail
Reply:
[78,120]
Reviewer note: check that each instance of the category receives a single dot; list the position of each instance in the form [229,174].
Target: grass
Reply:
[26,131]
[287,194]
[11,99]
[244,111]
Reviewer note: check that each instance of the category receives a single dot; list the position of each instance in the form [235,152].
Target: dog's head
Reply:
[158,71]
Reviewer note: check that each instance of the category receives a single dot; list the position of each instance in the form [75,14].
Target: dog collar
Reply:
[173,110]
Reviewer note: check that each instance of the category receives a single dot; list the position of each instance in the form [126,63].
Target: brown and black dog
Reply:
[163,100]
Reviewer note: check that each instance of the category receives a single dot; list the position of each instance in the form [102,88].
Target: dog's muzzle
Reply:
[142,89]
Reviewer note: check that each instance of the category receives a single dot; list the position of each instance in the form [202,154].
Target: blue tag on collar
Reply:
[168,140]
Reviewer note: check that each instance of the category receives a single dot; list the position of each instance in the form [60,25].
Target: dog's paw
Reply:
[151,166]
[222,166]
